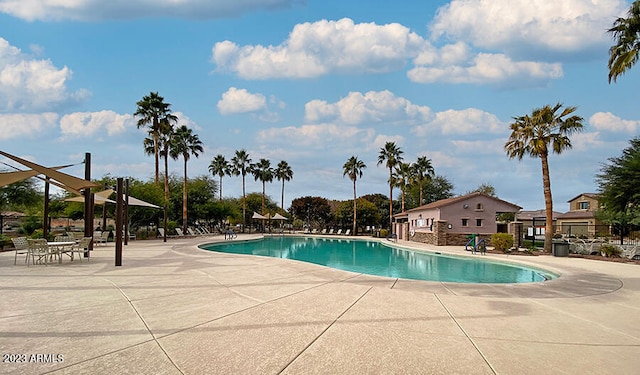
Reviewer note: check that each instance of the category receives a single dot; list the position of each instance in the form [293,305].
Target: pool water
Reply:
[375,258]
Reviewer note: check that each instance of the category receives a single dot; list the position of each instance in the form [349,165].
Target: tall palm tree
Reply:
[162,141]
[626,33]
[262,171]
[422,171]
[354,168]
[283,173]
[151,112]
[185,143]
[390,155]
[537,134]
[402,178]
[221,167]
[240,164]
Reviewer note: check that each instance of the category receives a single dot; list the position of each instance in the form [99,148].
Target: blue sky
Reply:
[315,82]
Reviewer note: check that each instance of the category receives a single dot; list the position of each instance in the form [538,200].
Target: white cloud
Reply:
[466,121]
[371,107]
[236,101]
[322,47]
[484,68]
[31,85]
[87,124]
[607,121]
[318,137]
[19,125]
[99,9]
[528,27]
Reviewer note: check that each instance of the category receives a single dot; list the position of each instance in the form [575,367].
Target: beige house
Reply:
[451,221]
[580,219]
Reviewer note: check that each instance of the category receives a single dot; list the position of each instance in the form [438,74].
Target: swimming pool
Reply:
[375,258]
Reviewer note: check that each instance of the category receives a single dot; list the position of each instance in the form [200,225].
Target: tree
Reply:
[221,167]
[537,134]
[422,170]
[486,189]
[367,213]
[283,173]
[390,155]
[314,211]
[353,168]
[152,111]
[185,143]
[626,33]
[262,171]
[240,164]
[165,134]
[619,192]
[402,178]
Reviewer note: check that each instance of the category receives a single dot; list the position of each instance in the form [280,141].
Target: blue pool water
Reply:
[374,258]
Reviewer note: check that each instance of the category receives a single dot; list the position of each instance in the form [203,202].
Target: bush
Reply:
[610,251]
[4,240]
[384,233]
[502,241]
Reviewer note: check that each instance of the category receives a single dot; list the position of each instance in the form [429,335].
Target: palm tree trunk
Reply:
[263,191]
[420,203]
[244,205]
[354,207]
[156,152]
[390,201]
[548,203]
[282,198]
[166,193]
[220,188]
[184,199]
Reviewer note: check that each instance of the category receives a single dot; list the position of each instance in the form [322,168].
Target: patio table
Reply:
[58,248]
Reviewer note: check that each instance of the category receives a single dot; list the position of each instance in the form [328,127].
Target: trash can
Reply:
[560,248]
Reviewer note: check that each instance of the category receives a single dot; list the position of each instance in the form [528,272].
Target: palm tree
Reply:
[239,166]
[185,143]
[626,32]
[221,167]
[390,155]
[402,178]
[536,134]
[151,111]
[163,137]
[422,171]
[262,171]
[353,168]
[283,173]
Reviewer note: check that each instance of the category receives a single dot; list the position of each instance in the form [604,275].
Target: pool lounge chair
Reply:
[330,231]
[347,232]
[339,232]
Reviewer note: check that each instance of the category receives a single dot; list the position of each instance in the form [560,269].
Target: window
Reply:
[465,222]
[478,222]
[479,207]
[583,205]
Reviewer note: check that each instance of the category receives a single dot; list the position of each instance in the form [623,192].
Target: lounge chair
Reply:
[330,231]
[22,247]
[339,232]
[314,231]
[192,232]
[347,232]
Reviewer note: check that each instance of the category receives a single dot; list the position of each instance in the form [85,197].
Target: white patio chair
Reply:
[39,249]
[80,248]
[22,247]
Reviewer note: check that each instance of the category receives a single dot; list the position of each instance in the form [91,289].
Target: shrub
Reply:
[610,251]
[4,240]
[384,233]
[502,241]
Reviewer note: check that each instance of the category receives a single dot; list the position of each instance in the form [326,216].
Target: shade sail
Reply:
[69,182]
[257,216]
[97,199]
[277,216]
[7,178]
[138,202]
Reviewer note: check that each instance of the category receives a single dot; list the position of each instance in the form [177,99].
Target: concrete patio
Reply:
[172,308]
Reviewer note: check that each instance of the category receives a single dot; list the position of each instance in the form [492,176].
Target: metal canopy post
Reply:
[119,209]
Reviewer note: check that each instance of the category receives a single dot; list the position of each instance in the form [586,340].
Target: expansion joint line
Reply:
[467,335]
[146,326]
[324,330]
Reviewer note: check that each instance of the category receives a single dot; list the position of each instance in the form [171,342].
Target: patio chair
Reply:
[314,231]
[38,248]
[330,231]
[339,232]
[80,248]
[180,232]
[347,232]
[192,232]
[22,247]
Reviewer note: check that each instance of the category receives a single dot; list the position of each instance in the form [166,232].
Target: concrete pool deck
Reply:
[172,308]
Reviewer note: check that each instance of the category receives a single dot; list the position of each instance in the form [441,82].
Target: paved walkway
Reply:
[174,309]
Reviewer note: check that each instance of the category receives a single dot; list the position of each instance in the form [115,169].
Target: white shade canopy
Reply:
[257,216]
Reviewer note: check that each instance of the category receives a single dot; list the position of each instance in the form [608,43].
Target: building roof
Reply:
[588,195]
[449,201]
[577,215]
[529,215]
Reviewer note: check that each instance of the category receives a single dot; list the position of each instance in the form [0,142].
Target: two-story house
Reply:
[580,219]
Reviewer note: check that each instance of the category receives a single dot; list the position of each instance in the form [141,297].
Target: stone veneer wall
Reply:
[440,237]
